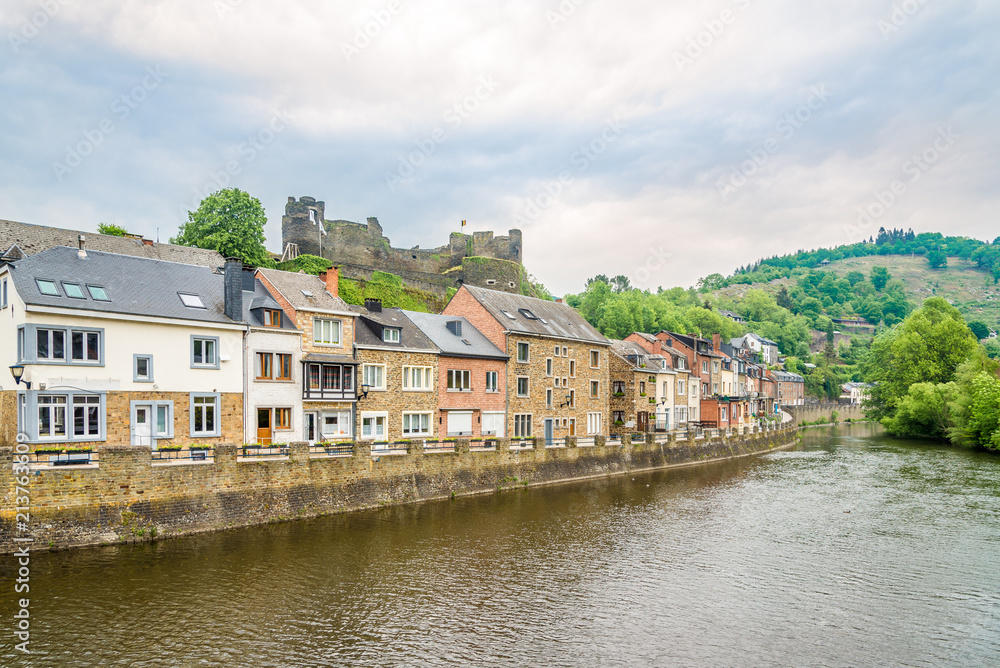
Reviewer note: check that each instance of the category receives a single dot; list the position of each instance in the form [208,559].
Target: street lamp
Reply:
[364,391]
[17,370]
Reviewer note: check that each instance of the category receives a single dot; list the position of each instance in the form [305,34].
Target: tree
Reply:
[784,300]
[926,348]
[711,282]
[620,283]
[980,329]
[936,259]
[879,277]
[758,306]
[112,230]
[231,222]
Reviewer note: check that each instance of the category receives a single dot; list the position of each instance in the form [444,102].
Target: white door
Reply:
[460,423]
[142,431]
[493,424]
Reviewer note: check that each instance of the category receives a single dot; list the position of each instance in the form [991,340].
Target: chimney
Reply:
[717,342]
[373,305]
[82,253]
[233,298]
[332,278]
[560,301]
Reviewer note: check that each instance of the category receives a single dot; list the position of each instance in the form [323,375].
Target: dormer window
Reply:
[272,317]
[390,335]
[191,301]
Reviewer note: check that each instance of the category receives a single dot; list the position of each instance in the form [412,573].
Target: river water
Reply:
[848,550]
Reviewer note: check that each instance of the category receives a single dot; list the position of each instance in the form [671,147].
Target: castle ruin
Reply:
[360,249]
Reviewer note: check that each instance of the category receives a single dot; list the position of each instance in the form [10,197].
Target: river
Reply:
[849,550]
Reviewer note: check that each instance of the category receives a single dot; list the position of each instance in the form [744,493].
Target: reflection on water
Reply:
[849,550]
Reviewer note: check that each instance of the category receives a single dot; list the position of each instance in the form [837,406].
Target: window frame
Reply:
[28,417]
[527,352]
[216,404]
[592,419]
[527,387]
[270,315]
[205,365]
[595,389]
[595,354]
[364,376]
[426,373]
[391,334]
[522,423]
[495,385]
[419,433]
[548,367]
[136,377]
[453,377]
[280,367]
[335,322]
[277,424]
[27,344]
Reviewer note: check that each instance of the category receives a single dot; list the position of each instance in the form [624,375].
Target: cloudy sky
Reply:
[663,141]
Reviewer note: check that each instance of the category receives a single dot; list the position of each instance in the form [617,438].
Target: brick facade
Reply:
[477,400]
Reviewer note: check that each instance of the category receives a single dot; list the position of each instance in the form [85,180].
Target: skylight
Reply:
[191,301]
[73,290]
[98,293]
[508,314]
[307,293]
[527,314]
[47,287]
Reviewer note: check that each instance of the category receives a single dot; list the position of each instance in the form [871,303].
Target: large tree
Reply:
[926,348]
[231,222]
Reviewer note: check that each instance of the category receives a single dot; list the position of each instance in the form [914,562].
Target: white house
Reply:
[112,349]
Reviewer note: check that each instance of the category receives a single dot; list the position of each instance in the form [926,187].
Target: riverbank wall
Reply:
[812,412]
[127,496]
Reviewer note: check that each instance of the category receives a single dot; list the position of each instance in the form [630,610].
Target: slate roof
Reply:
[368,331]
[259,299]
[788,377]
[134,285]
[32,239]
[551,318]
[291,285]
[471,343]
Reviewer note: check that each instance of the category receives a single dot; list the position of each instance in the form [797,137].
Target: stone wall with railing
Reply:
[131,495]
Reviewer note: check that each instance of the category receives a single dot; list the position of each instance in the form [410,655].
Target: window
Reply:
[164,420]
[86,346]
[47,287]
[336,423]
[715,366]
[595,359]
[3,295]
[87,416]
[527,314]
[704,366]
[722,413]
[73,290]
[373,425]
[595,387]
[642,387]
[51,416]
[50,344]
[493,424]
[205,352]
[265,368]
[522,386]
[282,418]
[142,368]
[191,301]
[374,376]
[548,397]
[522,426]
[618,387]
[548,366]
[98,293]
[565,352]
[390,335]
[508,314]
[522,352]
[572,368]
[715,388]
[459,423]
[593,424]
[284,366]
[572,399]
[326,332]
[492,381]
[204,415]
[618,417]
[556,353]
[416,424]
[272,318]
[417,378]
[459,380]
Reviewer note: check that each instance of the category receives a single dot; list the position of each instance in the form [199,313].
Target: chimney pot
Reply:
[332,279]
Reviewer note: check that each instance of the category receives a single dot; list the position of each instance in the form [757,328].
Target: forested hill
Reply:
[933,246]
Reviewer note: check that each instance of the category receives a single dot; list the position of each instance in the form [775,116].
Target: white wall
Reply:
[273,394]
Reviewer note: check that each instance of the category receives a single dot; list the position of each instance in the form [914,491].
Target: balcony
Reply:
[328,381]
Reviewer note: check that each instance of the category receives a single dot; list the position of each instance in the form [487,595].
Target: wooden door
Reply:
[264,426]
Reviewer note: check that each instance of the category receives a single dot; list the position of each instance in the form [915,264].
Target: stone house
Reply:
[398,368]
[791,388]
[675,362]
[641,390]
[120,350]
[328,376]
[558,372]
[472,377]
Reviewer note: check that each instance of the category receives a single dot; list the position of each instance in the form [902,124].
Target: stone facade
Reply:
[128,497]
[361,248]
[393,401]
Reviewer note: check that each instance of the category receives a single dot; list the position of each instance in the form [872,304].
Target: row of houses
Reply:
[112,349]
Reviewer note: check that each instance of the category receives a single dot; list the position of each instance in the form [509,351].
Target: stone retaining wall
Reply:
[813,412]
[129,498]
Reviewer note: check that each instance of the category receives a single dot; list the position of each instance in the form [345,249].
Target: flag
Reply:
[463,223]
